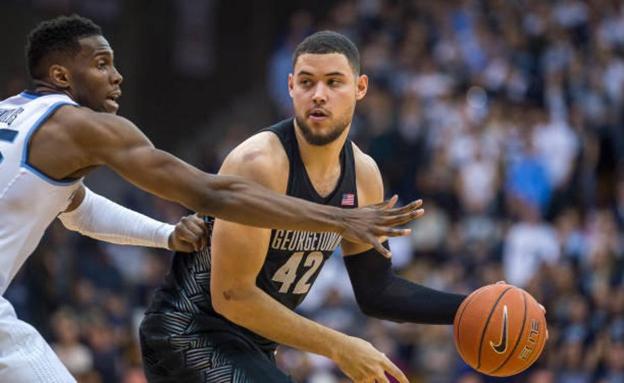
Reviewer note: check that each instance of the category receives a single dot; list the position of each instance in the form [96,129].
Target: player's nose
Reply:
[320,93]
[117,77]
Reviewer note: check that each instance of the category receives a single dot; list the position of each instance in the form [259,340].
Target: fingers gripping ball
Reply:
[500,330]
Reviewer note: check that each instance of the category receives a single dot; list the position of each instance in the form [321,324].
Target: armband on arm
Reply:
[102,219]
[382,294]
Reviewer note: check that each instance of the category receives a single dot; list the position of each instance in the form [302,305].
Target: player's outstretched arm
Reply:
[116,142]
[378,290]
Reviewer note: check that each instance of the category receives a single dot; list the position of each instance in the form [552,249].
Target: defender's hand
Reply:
[361,362]
[368,223]
[190,234]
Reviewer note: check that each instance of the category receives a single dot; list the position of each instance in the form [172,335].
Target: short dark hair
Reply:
[325,42]
[56,35]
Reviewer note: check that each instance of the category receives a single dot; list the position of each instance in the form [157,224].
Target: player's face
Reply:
[324,89]
[95,82]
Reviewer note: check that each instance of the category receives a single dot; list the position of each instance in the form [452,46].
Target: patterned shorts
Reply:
[175,349]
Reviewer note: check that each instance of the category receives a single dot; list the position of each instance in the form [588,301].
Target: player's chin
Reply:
[320,139]
[319,123]
[110,106]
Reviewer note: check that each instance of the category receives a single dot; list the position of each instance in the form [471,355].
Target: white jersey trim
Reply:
[30,95]
[24,163]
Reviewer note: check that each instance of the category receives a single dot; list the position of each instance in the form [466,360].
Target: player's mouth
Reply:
[318,114]
[111,100]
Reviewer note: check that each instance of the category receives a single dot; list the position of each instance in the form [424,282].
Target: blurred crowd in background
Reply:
[505,117]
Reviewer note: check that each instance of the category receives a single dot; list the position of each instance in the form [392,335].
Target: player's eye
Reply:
[334,82]
[305,82]
[101,64]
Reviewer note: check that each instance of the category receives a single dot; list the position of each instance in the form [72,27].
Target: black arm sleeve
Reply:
[380,293]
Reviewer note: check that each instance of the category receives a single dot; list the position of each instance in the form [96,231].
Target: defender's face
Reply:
[324,89]
[95,82]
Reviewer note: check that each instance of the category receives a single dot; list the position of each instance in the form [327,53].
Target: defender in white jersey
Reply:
[52,137]
[29,202]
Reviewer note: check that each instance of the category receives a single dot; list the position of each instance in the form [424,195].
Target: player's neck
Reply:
[321,158]
[45,87]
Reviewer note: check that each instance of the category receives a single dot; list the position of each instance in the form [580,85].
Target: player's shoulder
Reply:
[74,114]
[86,126]
[258,151]
[68,122]
[80,118]
[261,158]
[368,177]
[365,166]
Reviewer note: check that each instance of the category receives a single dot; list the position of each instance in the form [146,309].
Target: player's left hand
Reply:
[190,234]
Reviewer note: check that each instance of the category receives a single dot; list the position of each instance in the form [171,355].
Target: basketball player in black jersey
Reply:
[223,311]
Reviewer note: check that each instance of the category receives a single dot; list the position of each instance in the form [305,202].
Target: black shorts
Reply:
[175,350]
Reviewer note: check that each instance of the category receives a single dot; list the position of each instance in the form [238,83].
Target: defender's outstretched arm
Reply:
[116,142]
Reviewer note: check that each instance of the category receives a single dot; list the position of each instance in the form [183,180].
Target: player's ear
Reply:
[291,84]
[361,87]
[59,76]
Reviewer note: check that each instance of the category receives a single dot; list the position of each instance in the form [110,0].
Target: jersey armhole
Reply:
[27,165]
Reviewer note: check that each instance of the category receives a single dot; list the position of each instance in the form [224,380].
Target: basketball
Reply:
[500,330]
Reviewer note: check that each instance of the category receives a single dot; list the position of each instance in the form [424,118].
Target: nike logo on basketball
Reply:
[501,347]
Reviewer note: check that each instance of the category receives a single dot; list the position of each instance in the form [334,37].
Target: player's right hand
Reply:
[190,234]
[368,224]
[361,362]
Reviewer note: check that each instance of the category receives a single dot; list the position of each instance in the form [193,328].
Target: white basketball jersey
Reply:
[29,200]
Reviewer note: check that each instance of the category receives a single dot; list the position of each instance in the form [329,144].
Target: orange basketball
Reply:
[500,330]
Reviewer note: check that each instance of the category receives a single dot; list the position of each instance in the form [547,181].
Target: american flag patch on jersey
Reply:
[348,199]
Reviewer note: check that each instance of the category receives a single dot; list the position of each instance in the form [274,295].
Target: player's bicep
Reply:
[120,145]
[124,148]
[162,174]
[109,139]
[238,253]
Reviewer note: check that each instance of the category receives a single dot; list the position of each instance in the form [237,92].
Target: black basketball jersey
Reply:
[293,261]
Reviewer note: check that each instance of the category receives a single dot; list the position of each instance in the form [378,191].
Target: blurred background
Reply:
[505,116]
